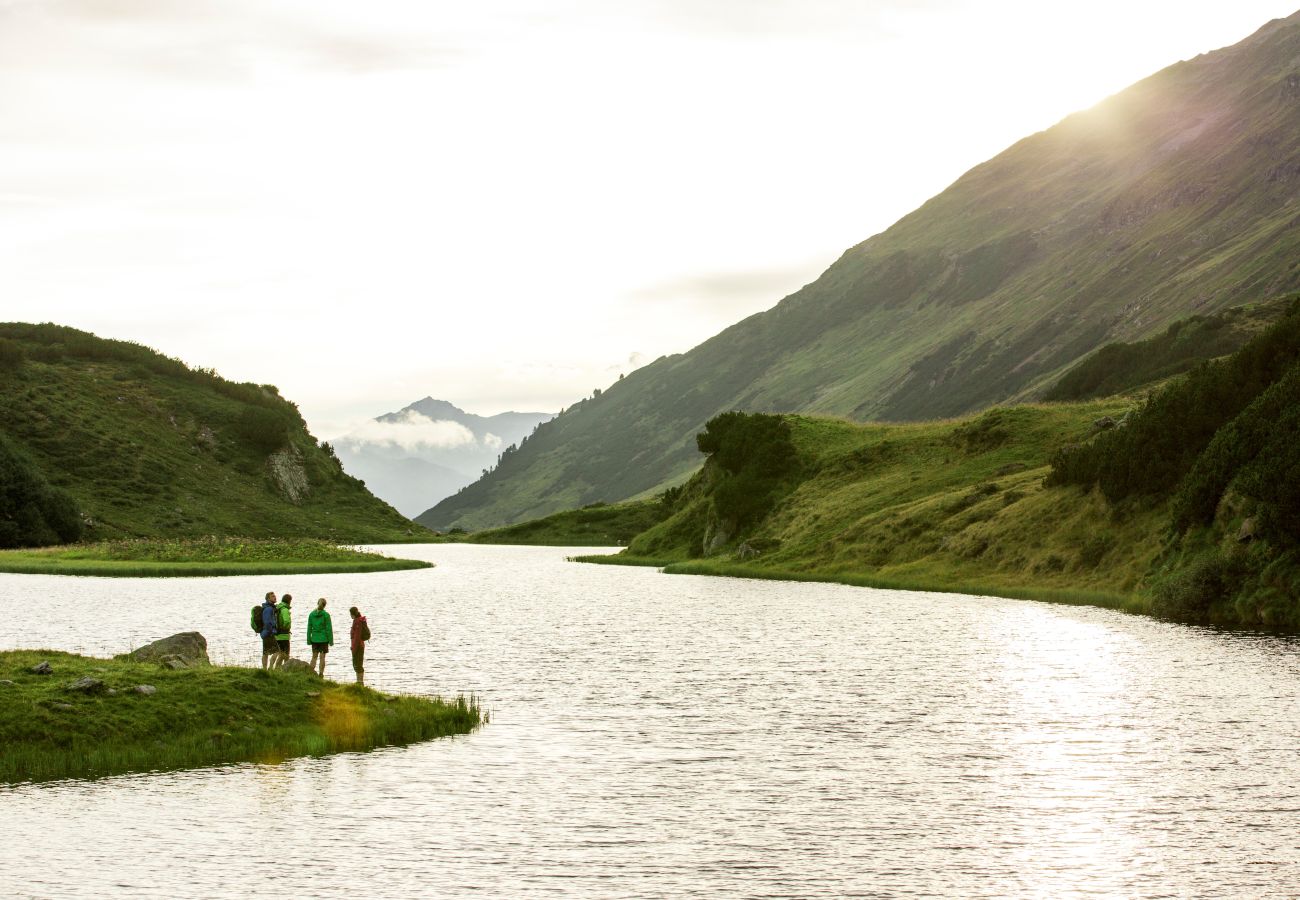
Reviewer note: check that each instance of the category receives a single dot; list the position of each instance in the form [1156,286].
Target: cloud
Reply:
[732,293]
[412,432]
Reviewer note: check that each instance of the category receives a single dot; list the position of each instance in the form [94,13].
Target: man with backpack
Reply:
[282,632]
[360,634]
[266,622]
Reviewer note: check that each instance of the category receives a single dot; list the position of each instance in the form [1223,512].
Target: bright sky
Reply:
[503,203]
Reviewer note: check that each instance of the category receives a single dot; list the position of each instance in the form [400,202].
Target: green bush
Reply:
[33,513]
[1191,593]
[265,429]
[754,456]
[11,355]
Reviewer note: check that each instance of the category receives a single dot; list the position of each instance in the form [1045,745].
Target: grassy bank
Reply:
[1133,603]
[200,558]
[596,525]
[195,717]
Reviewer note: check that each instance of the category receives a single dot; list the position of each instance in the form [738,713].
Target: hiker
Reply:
[283,622]
[360,634]
[270,624]
[320,634]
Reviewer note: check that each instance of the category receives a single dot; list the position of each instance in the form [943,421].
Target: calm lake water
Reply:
[657,735]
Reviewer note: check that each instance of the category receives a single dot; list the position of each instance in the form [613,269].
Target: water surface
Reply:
[659,735]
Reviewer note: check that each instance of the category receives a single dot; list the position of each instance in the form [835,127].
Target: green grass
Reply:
[201,557]
[198,717]
[598,524]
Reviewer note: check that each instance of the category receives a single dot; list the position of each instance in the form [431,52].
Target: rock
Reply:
[43,668]
[1249,530]
[1105,423]
[147,689]
[297,665]
[288,474]
[313,693]
[62,707]
[1011,469]
[112,692]
[745,551]
[175,663]
[190,647]
[5,682]
[86,685]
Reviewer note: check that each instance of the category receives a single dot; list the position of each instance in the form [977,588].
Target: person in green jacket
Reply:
[283,616]
[320,634]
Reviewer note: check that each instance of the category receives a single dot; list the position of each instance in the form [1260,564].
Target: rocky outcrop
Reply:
[43,668]
[296,665]
[180,651]
[86,685]
[288,474]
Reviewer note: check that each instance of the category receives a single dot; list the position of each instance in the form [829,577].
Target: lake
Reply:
[662,735]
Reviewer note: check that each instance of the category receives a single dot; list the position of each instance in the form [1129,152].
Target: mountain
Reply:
[428,450]
[1177,195]
[138,444]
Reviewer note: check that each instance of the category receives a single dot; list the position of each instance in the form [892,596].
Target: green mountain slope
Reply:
[146,446]
[1175,196]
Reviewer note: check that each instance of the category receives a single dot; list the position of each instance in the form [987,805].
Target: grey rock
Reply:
[175,662]
[112,692]
[5,682]
[189,646]
[86,685]
[146,689]
[313,693]
[745,551]
[62,707]
[297,665]
[43,668]
[1105,423]
[1248,531]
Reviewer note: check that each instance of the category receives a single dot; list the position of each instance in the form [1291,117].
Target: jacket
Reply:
[358,642]
[270,620]
[320,627]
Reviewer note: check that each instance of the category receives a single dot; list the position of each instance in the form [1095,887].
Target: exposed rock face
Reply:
[745,551]
[188,648]
[288,474]
[1248,531]
[43,668]
[716,535]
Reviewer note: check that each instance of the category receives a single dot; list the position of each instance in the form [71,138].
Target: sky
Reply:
[503,203]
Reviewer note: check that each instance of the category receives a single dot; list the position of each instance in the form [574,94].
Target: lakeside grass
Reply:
[201,557]
[1130,603]
[203,716]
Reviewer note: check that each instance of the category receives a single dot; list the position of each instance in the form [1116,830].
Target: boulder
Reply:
[86,685]
[745,551]
[5,682]
[43,668]
[297,665]
[146,689]
[1105,423]
[1248,531]
[189,648]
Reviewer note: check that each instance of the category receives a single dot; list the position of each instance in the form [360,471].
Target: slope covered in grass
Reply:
[1173,197]
[193,717]
[146,446]
[598,525]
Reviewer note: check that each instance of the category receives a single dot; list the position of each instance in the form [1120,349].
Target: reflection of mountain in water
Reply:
[429,450]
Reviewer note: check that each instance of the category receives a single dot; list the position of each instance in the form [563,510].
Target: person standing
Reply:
[270,625]
[320,634]
[284,623]
[360,634]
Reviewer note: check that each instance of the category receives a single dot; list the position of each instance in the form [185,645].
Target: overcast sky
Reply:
[503,203]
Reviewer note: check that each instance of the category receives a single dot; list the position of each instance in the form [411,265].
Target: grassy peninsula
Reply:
[1181,500]
[596,524]
[144,716]
[202,557]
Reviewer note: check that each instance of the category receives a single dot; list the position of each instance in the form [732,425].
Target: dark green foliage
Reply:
[32,512]
[1121,367]
[986,433]
[753,454]
[265,429]
[1192,592]
[1163,440]
[11,355]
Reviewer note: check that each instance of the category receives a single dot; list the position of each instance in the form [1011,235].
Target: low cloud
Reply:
[412,432]
[733,293]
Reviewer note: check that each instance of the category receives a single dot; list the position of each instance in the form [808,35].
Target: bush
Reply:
[265,429]
[32,512]
[11,356]
[753,454]
[1191,593]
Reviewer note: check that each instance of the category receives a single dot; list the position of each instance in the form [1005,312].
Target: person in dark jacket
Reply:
[320,634]
[270,625]
[360,634]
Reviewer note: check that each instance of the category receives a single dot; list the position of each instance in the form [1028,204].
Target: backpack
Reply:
[257,618]
[365,630]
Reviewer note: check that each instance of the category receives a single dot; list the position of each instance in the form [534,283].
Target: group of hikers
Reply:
[273,621]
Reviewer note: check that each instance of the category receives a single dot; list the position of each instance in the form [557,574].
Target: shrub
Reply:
[33,513]
[265,429]
[11,356]
[1191,593]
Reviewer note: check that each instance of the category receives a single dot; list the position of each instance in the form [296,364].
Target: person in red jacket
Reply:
[360,634]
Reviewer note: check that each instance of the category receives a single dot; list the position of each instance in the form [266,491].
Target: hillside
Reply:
[146,446]
[1172,197]
[1185,503]
[428,450]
